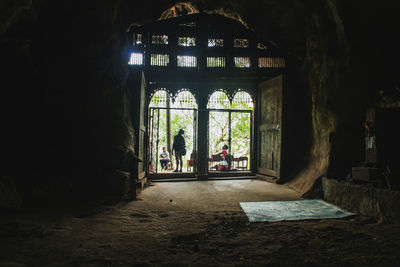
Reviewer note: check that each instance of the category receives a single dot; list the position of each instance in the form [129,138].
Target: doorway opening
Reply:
[167,115]
[230,128]
[205,52]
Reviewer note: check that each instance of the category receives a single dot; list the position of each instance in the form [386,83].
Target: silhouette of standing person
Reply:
[178,147]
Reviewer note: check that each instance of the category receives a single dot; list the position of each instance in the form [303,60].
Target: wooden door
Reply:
[270,95]
[138,114]
[141,143]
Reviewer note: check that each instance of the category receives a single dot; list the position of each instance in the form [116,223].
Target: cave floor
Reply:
[194,223]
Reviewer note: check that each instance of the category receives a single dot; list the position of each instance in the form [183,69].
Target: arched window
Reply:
[242,100]
[167,115]
[230,125]
[160,99]
[219,100]
[185,99]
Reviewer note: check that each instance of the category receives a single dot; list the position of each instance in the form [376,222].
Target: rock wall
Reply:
[326,58]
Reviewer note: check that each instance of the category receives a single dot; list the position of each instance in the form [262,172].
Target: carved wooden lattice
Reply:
[242,100]
[159,39]
[271,62]
[187,61]
[136,59]
[241,43]
[138,39]
[220,100]
[159,60]
[215,42]
[187,41]
[160,98]
[184,99]
[242,62]
[216,62]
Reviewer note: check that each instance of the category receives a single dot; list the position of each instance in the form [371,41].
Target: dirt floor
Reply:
[194,224]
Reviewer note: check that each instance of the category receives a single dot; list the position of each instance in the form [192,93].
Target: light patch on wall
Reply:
[261,46]
[187,8]
[179,9]
[188,24]
[229,14]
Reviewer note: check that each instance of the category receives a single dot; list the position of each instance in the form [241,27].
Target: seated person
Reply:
[225,164]
[164,158]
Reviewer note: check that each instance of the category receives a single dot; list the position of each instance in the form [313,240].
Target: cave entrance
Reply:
[230,126]
[166,118]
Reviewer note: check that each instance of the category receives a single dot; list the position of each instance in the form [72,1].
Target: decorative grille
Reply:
[185,99]
[138,40]
[220,100]
[243,43]
[159,60]
[242,100]
[187,61]
[159,39]
[187,41]
[215,42]
[216,62]
[136,59]
[242,62]
[160,99]
[271,62]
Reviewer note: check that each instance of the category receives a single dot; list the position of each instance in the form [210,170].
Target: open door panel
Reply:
[270,127]
[142,129]
[138,116]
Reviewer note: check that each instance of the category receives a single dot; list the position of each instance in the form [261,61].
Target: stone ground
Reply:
[193,224]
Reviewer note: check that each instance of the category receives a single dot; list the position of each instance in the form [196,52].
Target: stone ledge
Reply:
[364,200]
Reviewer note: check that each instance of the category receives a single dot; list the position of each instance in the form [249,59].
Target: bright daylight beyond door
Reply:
[166,118]
[229,129]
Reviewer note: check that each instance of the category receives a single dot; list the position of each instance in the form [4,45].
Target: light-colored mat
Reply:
[274,211]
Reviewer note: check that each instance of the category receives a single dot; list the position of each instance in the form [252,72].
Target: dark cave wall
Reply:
[64,99]
[371,30]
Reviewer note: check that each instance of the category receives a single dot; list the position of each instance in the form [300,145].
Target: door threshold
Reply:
[244,177]
[171,175]
[193,179]
[230,173]
[173,179]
